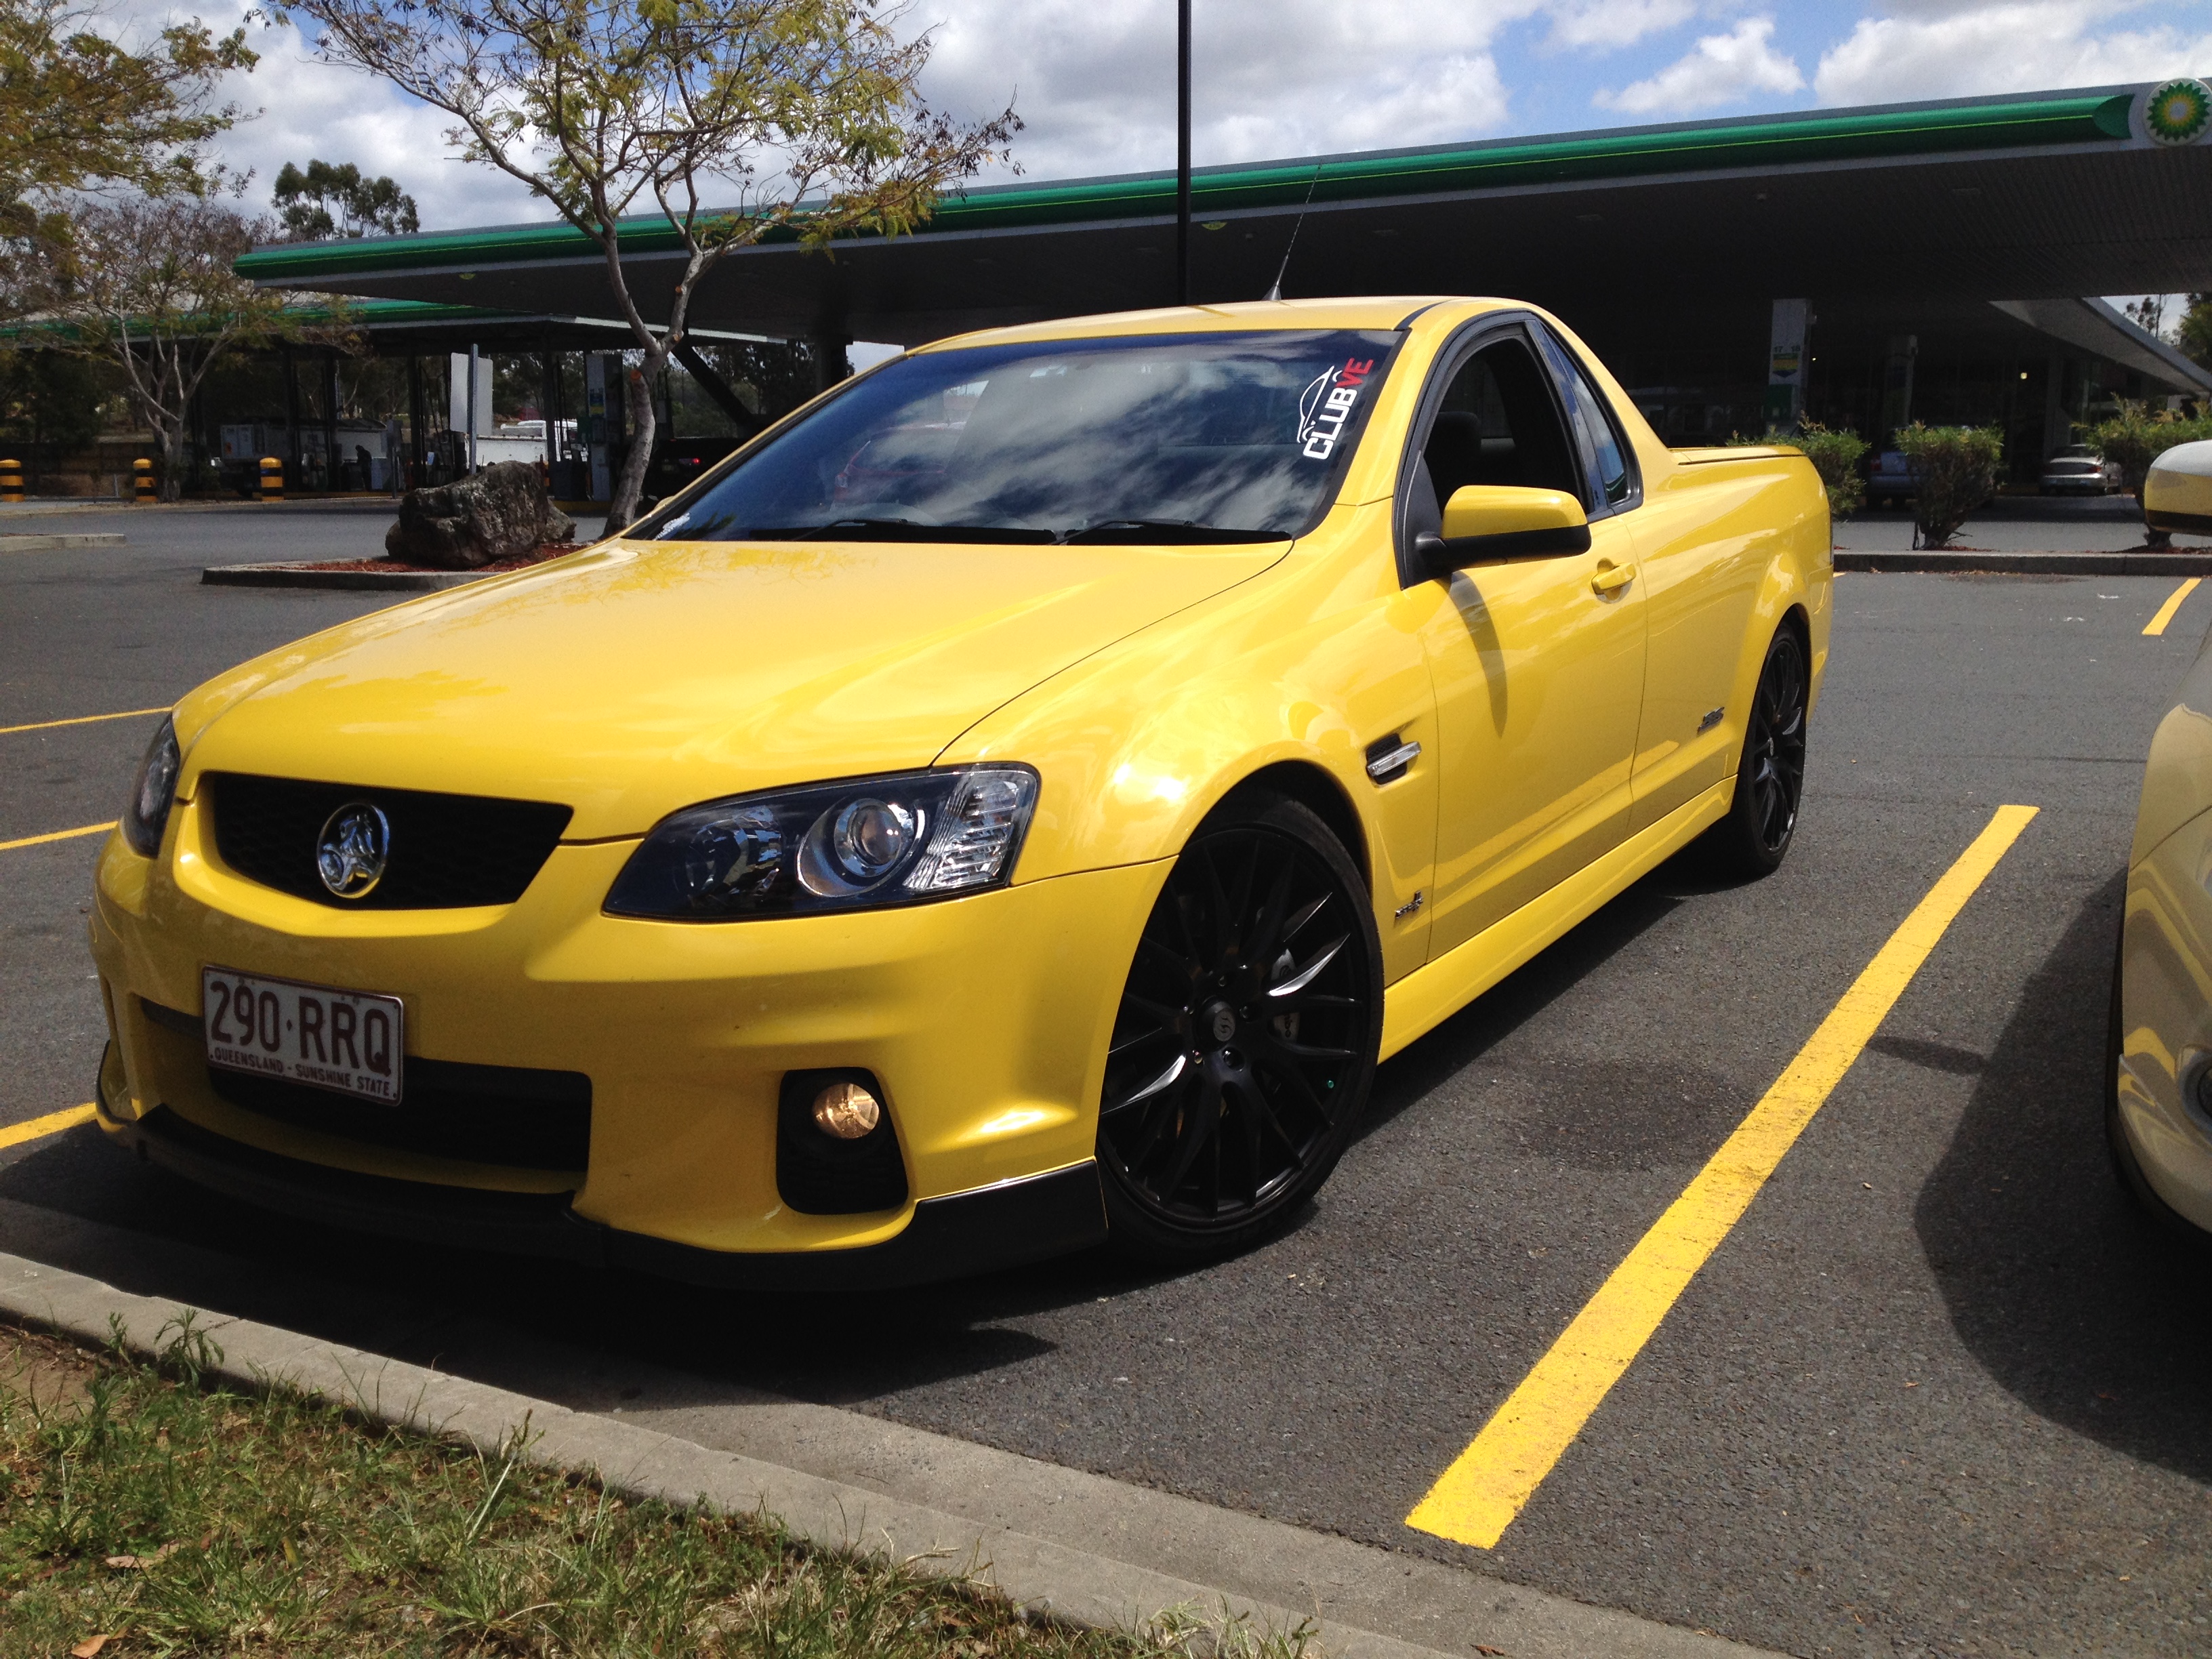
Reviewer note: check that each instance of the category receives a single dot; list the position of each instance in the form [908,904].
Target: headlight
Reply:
[153,792]
[871,842]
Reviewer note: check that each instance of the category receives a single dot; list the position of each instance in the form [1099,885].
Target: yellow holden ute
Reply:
[2158,1063]
[1011,805]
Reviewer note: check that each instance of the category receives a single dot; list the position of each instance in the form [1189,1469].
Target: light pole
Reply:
[1182,152]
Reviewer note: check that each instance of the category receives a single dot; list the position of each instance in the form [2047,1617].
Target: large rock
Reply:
[497,513]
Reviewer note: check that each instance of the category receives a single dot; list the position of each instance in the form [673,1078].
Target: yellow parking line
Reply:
[56,834]
[80,719]
[2156,625]
[39,1127]
[1488,1484]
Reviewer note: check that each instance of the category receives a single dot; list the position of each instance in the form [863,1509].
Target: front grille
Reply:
[447,851]
[505,1114]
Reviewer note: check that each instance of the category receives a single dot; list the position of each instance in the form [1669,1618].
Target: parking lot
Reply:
[1938,1392]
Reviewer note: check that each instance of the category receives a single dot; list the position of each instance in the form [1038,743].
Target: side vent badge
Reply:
[1712,719]
[1388,759]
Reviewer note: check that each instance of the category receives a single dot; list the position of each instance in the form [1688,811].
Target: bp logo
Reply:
[2177,111]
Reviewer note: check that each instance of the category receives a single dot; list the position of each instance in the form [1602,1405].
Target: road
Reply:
[1938,1392]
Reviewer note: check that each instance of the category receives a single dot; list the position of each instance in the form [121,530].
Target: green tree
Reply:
[2193,333]
[799,117]
[146,283]
[1954,471]
[326,202]
[80,109]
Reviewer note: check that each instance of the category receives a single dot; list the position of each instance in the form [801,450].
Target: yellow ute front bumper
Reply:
[986,1019]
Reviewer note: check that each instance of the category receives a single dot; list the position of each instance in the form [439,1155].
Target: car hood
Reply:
[631,679]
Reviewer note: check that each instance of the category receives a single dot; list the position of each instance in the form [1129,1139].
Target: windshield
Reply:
[1174,438]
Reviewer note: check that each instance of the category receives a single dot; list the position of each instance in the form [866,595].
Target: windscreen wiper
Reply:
[1149,531]
[903,530]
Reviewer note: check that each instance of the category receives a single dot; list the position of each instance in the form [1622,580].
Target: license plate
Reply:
[341,1041]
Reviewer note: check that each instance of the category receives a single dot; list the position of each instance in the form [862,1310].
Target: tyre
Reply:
[2125,1165]
[1754,837]
[1246,1038]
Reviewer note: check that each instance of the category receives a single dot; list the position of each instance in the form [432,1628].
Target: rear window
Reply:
[1196,438]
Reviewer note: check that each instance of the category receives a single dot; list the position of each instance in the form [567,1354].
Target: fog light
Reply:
[846,1111]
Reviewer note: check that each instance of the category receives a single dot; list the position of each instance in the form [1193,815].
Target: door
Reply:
[1538,663]
[1699,556]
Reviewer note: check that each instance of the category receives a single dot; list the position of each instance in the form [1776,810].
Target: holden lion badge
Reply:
[351,853]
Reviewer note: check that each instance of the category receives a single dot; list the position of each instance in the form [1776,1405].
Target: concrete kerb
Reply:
[1466,1611]
[2193,561]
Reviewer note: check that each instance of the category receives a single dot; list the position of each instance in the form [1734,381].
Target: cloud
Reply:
[298,110]
[1952,50]
[1721,69]
[313,110]
[1095,80]
[1607,24]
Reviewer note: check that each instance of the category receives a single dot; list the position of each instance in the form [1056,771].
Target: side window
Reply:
[1498,424]
[1604,455]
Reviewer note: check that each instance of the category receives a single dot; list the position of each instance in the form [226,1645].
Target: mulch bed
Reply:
[520,561]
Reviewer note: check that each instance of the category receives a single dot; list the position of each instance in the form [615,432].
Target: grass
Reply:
[139,1506]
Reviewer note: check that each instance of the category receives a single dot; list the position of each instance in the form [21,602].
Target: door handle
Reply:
[1611,578]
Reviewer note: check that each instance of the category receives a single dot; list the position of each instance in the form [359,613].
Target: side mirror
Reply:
[1487,524]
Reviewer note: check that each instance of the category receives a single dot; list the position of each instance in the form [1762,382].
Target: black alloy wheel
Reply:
[1770,779]
[1246,1038]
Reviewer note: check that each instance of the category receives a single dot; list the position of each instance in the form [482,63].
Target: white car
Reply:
[2158,1064]
[2178,493]
[2078,469]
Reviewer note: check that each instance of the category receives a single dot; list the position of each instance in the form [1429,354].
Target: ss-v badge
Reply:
[1712,719]
[1410,906]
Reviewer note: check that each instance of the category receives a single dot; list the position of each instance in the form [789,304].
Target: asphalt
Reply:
[1939,1392]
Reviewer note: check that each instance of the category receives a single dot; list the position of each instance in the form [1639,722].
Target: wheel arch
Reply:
[1318,790]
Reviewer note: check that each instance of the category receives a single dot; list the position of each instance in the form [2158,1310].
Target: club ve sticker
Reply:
[1327,404]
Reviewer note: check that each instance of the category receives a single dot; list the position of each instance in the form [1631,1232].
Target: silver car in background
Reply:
[2078,469]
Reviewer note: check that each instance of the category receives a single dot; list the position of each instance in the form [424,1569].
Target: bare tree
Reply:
[795,117]
[146,283]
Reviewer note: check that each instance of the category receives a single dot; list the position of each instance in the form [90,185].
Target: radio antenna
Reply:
[1275,291]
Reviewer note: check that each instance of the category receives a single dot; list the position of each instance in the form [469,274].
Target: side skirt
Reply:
[1431,994]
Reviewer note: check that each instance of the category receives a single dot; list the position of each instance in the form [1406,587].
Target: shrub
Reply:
[2137,436]
[1954,469]
[1835,456]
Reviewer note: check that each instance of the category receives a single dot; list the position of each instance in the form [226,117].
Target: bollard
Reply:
[11,481]
[144,470]
[272,479]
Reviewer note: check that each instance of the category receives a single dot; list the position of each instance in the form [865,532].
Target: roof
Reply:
[2099,327]
[2050,194]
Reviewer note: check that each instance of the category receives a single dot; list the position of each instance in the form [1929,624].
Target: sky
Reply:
[1094,79]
